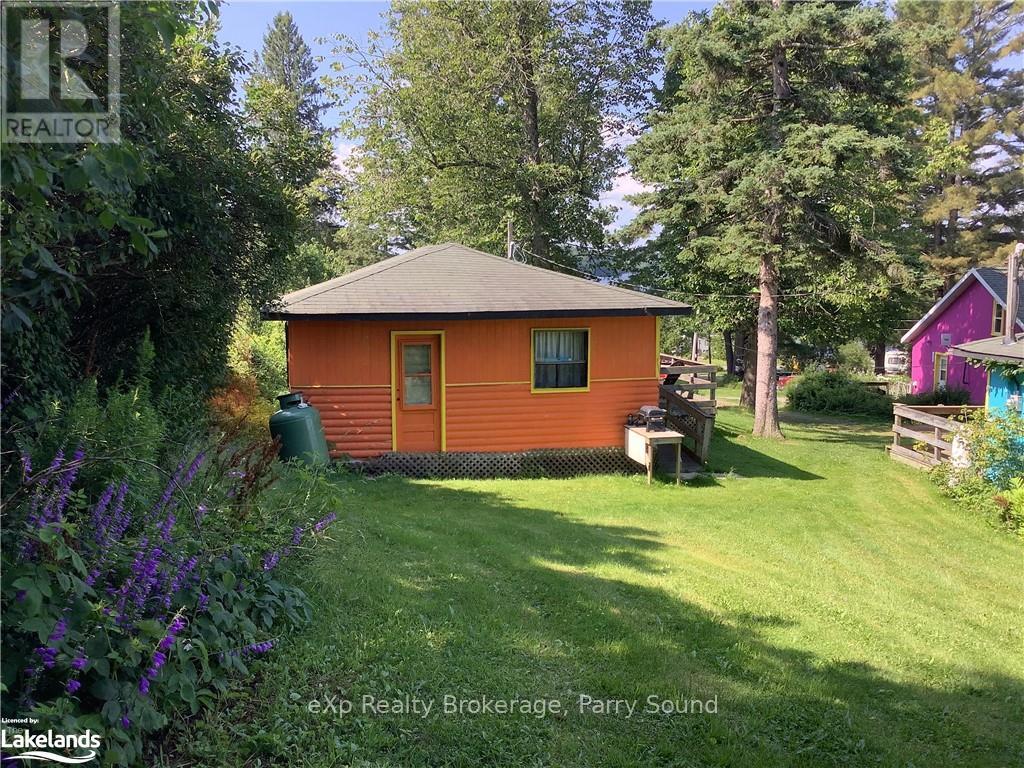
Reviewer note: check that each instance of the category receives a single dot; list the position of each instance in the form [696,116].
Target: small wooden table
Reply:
[642,442]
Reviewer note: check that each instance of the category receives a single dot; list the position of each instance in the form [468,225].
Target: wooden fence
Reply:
[931,429]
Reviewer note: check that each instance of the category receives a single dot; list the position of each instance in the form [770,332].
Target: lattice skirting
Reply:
[554,462]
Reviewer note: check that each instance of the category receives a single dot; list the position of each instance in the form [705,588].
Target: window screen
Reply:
[559,359]
[417,384]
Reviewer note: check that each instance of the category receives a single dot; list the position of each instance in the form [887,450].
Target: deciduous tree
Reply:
[169,230]
[479,113]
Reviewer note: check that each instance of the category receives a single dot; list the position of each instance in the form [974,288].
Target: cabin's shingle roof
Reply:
[451,281]
[996,280]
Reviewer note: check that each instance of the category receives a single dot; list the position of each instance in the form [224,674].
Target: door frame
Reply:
[394,385]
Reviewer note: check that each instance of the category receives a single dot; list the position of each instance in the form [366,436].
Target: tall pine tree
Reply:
[970,86]
[777,158]
[287,61]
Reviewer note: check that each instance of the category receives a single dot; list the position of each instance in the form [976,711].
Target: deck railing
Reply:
[691,380]
[931,429]
[693,419]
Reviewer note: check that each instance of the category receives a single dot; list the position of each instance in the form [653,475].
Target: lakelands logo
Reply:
[37,746]
[60,78]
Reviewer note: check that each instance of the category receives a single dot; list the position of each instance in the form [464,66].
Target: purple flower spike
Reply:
[204,601]
[72,686]
[160,654]
[58,459]
[53,512]
[59,630]
[297,536]
[193,469]
[258,648]
[168,525]
[47,655]
[125,722]
[101,521]
[184,573]
[120,516]
[324,522]
[270,560]
[79,662]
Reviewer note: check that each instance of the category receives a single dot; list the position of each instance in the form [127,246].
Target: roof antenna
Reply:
[1012,295]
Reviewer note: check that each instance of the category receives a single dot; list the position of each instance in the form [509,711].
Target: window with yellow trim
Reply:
[998,319]
[560,358]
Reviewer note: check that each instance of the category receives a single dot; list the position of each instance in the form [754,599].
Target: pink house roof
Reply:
[994,280]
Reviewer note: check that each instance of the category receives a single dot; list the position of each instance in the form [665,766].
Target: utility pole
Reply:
[1012,295]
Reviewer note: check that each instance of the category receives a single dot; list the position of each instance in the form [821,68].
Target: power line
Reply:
[647,289]
[665,291]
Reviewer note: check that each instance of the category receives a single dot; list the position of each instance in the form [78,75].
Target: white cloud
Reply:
[625,184]
[346,158]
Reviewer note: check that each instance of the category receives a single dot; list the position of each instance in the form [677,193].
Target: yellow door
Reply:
[940,377]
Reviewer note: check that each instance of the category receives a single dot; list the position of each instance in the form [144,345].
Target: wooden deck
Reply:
[930,430]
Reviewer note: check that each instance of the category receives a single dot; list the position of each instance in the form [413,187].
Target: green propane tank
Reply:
[298,425]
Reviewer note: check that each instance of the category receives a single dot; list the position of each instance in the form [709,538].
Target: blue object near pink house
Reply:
[973,309]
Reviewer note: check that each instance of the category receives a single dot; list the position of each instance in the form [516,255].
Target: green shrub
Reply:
[938,397]
[836,392]
[1011,504]
[137,577]
[991,481]
[257,352]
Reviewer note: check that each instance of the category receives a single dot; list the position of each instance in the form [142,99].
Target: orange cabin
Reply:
[446,348]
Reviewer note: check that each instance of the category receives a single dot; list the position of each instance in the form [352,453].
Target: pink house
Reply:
[974,308]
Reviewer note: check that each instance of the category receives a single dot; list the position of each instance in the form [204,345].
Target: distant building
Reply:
[973,309]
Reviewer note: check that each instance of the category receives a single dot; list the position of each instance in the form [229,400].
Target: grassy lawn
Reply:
[841,612]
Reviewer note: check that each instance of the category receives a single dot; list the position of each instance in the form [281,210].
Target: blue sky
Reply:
[243,24]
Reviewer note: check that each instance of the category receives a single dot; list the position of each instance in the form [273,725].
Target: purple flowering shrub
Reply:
[124,609]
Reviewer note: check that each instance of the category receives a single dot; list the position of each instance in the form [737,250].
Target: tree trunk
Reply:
[748,349]
[531,136]
[878,351]
[766,403]
[952,225]
[730,355]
